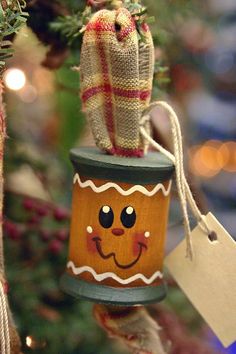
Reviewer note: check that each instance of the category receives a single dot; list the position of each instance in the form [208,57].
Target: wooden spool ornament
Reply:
[121,193]
[118,228]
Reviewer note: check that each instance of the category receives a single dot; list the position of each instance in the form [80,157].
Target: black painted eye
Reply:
[106,216]
[128,216]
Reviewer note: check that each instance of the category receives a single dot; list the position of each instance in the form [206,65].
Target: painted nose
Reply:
[117,232]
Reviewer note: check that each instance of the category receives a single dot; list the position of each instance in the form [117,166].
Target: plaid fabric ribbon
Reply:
[116,80]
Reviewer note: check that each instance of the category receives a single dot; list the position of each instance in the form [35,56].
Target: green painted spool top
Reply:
[150,169]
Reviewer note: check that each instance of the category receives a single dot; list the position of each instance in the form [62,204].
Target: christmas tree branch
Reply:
[12,18]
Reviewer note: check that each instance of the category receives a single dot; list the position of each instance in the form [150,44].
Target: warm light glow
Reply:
[15,79]
[208,157]
[224,155]
[33,344]
[204,162]
[230,150]
[213,156]
[28,94]
[29,341]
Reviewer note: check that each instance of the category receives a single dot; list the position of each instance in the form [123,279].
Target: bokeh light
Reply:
[228,149]
[14,79]
[28,94]
[212,157]
[31,342]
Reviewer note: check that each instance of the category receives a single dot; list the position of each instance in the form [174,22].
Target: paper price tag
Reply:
[209,280]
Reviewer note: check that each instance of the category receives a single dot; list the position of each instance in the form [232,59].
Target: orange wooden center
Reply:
[121,250]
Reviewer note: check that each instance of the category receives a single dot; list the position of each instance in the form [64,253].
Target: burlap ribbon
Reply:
[116,80]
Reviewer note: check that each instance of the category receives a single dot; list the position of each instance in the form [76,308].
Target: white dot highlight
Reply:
[89,229]
[147,234]
[15,79]
[129,210]
[106,209]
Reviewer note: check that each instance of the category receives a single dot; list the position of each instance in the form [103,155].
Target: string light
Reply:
[33,344]
[229,150]
[29,341]
[15,79]
[212,157]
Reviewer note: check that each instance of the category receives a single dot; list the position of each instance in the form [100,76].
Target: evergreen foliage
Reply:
[12,18]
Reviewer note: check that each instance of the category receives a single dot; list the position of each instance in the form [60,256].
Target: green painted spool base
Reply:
[110,295]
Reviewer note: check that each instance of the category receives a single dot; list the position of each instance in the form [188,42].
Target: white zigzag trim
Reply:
[102,276]
[136,188]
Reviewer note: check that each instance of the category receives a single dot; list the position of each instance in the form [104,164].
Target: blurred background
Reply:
[196,41]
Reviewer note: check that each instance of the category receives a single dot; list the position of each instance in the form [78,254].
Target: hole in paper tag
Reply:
[212,236]
[209,280]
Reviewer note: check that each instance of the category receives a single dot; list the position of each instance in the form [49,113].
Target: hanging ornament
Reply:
[121,191]
[120,202]
[117,239]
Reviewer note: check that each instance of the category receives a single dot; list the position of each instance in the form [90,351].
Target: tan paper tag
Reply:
[209,280]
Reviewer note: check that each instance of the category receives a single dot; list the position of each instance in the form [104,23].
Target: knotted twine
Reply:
[116,80]
[184,192]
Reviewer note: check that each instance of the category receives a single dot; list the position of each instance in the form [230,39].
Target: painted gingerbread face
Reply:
[126,222]
[118,232]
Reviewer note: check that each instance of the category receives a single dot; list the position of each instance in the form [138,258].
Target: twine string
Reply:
[3,342]
[184,192]
[5,334]
[4,309]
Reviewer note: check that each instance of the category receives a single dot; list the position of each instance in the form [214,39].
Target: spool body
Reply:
[118,228]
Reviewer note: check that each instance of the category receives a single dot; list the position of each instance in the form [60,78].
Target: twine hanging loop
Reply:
[184,192]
